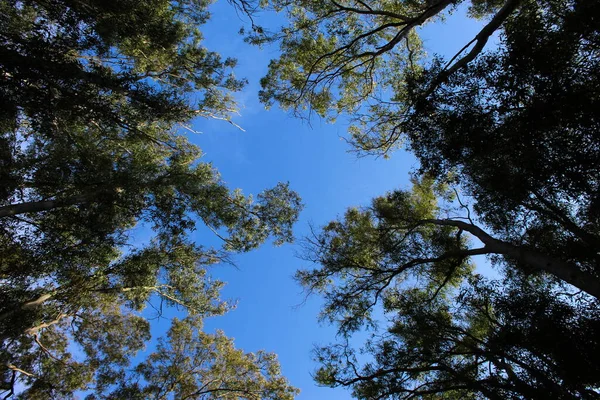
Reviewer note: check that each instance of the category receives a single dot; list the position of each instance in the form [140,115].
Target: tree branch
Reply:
[45,205]
[14,368]
[34,330]
[29,305]
[567,272]
[480,42]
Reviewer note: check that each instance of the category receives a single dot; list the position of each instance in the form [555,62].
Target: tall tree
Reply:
[493,340]
[337,56]
[95,96]
[450,332]
[196,365]
[515,127]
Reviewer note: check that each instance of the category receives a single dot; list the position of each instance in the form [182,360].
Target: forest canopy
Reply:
[98,100]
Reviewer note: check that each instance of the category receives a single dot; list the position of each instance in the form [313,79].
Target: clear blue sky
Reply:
[315,160]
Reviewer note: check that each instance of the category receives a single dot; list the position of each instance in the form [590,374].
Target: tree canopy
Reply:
[514,129]
[515,342]
[191,364]
[96,98]
[449,331]
[515,126]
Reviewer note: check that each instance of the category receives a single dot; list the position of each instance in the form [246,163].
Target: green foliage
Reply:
[450,332]
[194,364]
[519,127]
[519,342]
[348,57]
[516,128]
[370,254]
[359,59]
[94,96]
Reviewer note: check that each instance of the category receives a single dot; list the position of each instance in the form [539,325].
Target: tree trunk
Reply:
[43,205]
[567,272]
[30,305]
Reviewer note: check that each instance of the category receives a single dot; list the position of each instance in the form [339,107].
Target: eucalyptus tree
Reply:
[485,340]
[516,126]
[192,364]
[403,268]
[96,99]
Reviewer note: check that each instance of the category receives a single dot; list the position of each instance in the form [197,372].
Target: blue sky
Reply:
[315,160]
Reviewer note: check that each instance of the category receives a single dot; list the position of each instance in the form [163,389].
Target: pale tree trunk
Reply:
[30,305]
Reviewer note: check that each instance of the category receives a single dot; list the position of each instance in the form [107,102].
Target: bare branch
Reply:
[480,41]
[14,368]
[34,330]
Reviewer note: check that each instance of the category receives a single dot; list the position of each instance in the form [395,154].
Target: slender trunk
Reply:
[37,302]
[30,305]
[479,41]
[35,329]
[12,367]
[564,271]
[43,205]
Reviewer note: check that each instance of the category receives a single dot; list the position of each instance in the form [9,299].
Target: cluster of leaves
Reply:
[516,129]
[520,131]
[94,96]
[196,365]
[356,58]
[451,332]
[477,343]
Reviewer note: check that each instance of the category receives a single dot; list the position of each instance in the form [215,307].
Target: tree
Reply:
[451,333]
[337,56]
[515,127]
[197,365]
[491,340]
[95,96]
